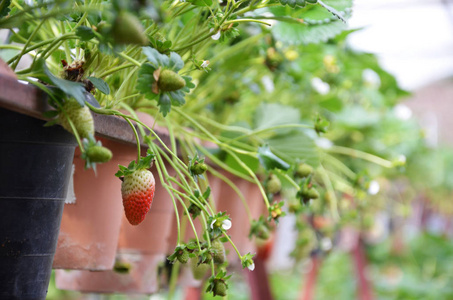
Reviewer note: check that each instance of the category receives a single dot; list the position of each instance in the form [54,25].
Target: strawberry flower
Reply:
[218,224]
[225,224]
[247,261]
[158,79]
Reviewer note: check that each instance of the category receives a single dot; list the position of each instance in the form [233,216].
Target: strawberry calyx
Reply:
[145,162]
[94,153]
[217,285]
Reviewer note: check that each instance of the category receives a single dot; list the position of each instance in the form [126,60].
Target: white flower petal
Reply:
[251,267]
[402,112]
[268,83]
[226,224]
[216,36]
[374,187]
[205,64]
[323,143]
[212,224]
[326,244]
[320,86]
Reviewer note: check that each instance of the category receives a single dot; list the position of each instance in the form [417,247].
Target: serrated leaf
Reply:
[176,62]
[295,146]
[207,193]
[295,34]
[164,104]
[272,114]
[155,58]
[145,80]
[85,33]
[189,83]
[200,2]
[4,8]
[74,89]
[271,161]
[151,54]
[100,84]
[177,98]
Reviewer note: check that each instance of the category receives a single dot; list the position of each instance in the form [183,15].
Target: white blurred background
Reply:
[412,38]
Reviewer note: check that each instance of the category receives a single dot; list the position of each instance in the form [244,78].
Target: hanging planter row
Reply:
[37,165]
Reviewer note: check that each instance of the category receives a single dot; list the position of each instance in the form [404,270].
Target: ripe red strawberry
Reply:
[137,191]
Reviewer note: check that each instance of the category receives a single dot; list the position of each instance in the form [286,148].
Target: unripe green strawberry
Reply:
[220,288]
[99,154]
[198,168]
[273,184]
[219,251]
[198,271]
[80,117]
[303,170]
[127,29]
[183,256]
[137,191]
[263,232]
[170,81]
[313,193]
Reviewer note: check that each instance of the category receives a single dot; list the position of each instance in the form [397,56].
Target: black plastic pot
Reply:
[35,168]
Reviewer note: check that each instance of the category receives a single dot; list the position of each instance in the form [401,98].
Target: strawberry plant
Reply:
[249,87]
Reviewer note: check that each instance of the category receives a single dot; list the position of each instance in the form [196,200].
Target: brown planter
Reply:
[90,227]
[143,248]
[230,202]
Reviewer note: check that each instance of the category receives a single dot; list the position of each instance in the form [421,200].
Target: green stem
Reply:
[30,38]
[113,70]
[136,138]
[360,154]
[236,190]
[247,21]
[258,131]
[129,59]
[232,244]
[333,202]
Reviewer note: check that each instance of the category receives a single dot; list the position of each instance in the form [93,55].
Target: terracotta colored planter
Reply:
[143,248]
[230,202]
[90,227]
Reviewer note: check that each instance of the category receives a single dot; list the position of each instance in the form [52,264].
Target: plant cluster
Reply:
[272,84]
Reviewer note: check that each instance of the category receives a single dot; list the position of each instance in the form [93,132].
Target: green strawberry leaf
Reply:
[4,8]
[207,193]
[269,160]
[176,62]
[155,58]
[85,33]
[177,98]
[272,114]
[145,81]
[201,2]
[319,23]
[189,84]
[100,84]
[164,104]
[151,55]
[73,89]
[145,161]
[295,146]
[295,34]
